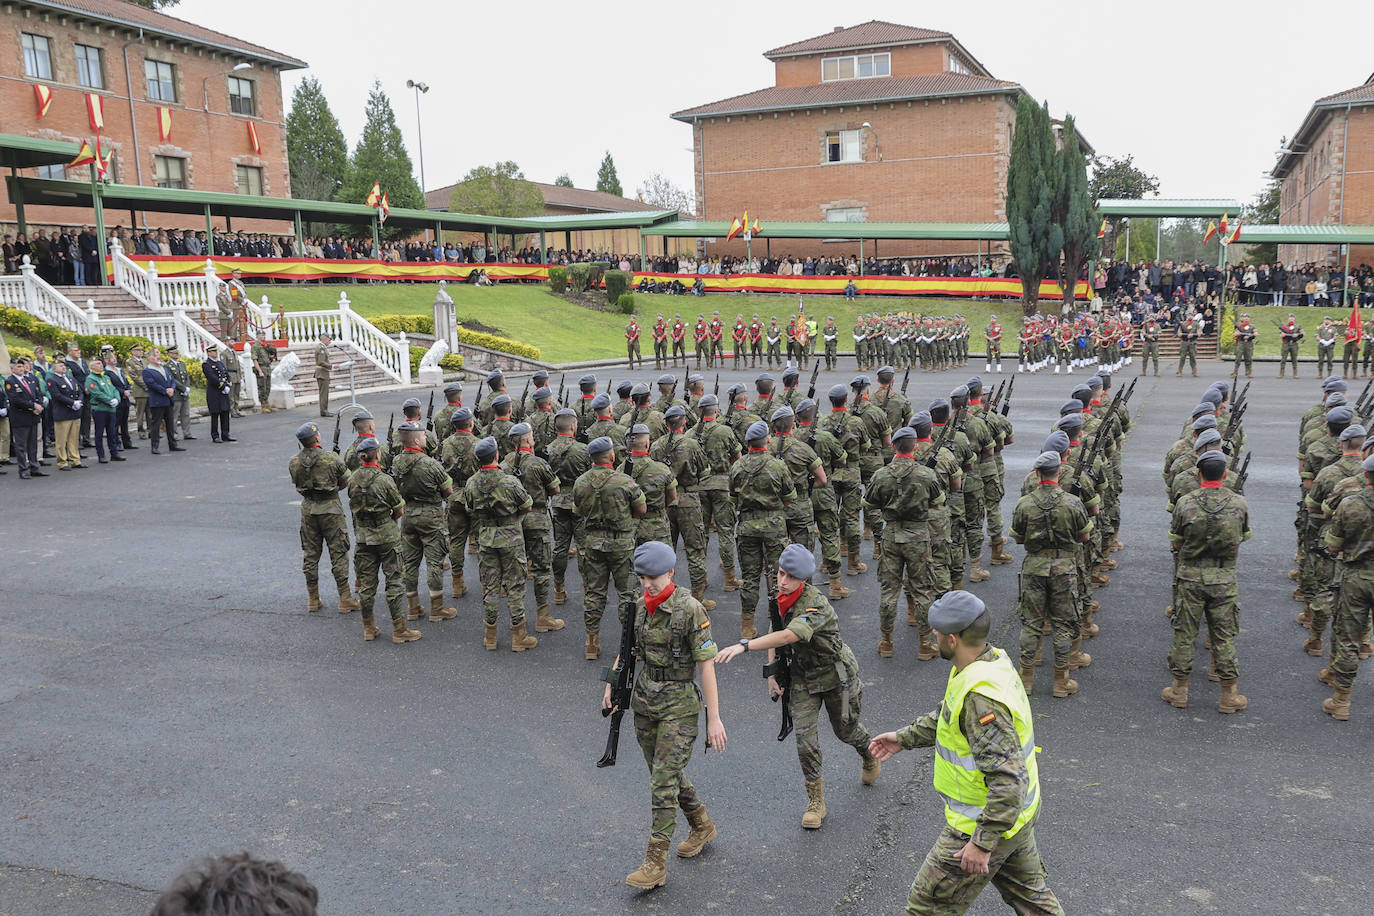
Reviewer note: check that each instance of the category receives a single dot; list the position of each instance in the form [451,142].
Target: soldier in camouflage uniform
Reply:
[425,485]
[992,471]
[979,437]
[824,507]
[824,673]
[443,420]
[1050,523]
[657,482]
[641,412]
[540,419]
[1318,500]
[500,426]
[685,456]
[319,475]
[1350,537]
[738,416]
[667,393]
[985,768]
[717,507]
[498,503]
[905,493]
[365,427]
[607,502]
[460,463]
[496,384]
[540,379]
[760,486]
[672,641]
[878,441]
[949,473]
[807,473]
[622,406]
[848,431]
[541,483]
[410,413]
[958,446]
[583,405]
[763,405]
[376,504]
[1206,533]
[568,459]
[603,424]
[791,395]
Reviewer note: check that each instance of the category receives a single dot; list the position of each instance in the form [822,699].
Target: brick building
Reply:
[873,123]
[1328,177]
[214,86]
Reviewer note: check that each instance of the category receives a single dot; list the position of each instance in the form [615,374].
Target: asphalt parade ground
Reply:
[164,694]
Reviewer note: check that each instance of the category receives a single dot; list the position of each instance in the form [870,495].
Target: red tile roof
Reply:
[1363,93]
[557,196]
[134,16]
[867,35]
[846,92]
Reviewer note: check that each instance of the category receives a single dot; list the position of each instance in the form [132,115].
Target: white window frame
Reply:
[849,143]
[850,67]
[155,78]
[164,180]
[95,68]
[844,215]
[251,97]
[958,66]
[242,171]
[37,56]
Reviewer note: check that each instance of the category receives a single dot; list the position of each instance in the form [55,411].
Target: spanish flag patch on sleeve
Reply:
[705,624]
[986,719]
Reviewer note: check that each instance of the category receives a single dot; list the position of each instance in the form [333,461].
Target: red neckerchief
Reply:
[602,464]
[457,403]
[639,454]
[1094,403]
[926,439]
[605,417]
[317,445]
[784,434]
[1048,483]
[785,602]
[709,419]
[547,409]
[491,467]
[407,448]
[751,448]
[838,409]
[653,602]
[526,449]
[566,435]
[938,425]
[1351,454]
[372,464]
[975,402]
[1211,485]
[588,397]
[1074,443]
[864,398]
[907,457]
[625,400]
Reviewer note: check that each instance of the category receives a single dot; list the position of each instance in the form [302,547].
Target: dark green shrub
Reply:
[626,303]
[617,284]
[558,279]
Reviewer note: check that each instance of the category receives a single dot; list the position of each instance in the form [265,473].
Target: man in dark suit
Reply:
[218,388]
[89,248]
[26,411]
[161,388]
[78,369]
[4,430]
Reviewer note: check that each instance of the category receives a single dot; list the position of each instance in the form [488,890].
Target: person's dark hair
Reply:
[1212,470]
[977,632]
[238,885]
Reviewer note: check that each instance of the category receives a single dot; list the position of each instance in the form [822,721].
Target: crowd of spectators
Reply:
[1242,283]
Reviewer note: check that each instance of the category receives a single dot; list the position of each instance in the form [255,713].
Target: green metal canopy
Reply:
[834,230]
[1168,207]
[18,152]
[1308,235]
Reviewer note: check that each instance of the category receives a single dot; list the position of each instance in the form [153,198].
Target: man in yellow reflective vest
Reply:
[985,771]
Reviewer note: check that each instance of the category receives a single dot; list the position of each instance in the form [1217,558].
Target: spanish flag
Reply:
[375,195]
[756,229]
[164,124]
[736,228]
[84,156]
[1211,231]
[1102,230]
[95,107]
[253,137]
[43,94]
[102,157]
[1235,236]
[1222,227]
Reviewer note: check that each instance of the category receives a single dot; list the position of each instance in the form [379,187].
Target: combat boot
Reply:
[1305,618]
[856,566]
[593,649]
[877,550]
[1366,649]
[1109,563]
[1313,646]
[815,802]
[1326,677]
[1089,629]
[885,644]
[746,626]
[1338,705]
[312,602]
[348,602]
[911,620]
[1176,694]
[700,595]
[731,582]
[370,630]
[1195,372]
[926,649]
[460,588]
[560,594]
[473,548]
[1077,657]
[1116,545]
[1100,579]
[489,636]
[520,639]
[413,609]
[997,555]
[543,623]
[437,611]
[868,532]
[977,573]
[1064,686]
[654,871]
[837,589]
[872,767]
[402,633]
[1028,678]
[703,832]
[1234,702]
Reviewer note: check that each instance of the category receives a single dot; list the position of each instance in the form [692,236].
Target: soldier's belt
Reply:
[319,496]
[424,502]
[667,674]
[759,513]
[1053,554]
[1212,562]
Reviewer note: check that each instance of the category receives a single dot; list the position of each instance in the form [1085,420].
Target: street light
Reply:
[877,150]
[205,83]
[419,135]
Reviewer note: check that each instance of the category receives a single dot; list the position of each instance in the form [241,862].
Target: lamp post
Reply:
[420,87]
[205,83]
[877,150]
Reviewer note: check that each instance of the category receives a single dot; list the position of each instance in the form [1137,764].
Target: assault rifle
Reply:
[1363,402]
[389,430]
[780,670]
[1006,404]
[1233,425]
[905,379]
[621,679]
[1243,473]
[562,384]
[997,396]
[429,414]
[815,371]
[520,411]
[1239,399]
[716,391]
[338,419]
[941,441]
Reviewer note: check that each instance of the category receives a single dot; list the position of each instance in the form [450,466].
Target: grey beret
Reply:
[677,410]
[1203,409]
[624,388]
[764,377]
[1070,407]
[1336,399]
[1337,385]
[1212,457]
[782,413]
[587,379]
[1206,421]
[1205,439]
[708,400]
[461,415]
[486,448]
[805,404]
[837,393]
[938,404]
[410,402]
[695,377]
[973,383]
[921,418]
[500,400]
[797,561]
[494,376]
[368,444]
[1340,414]
[541,393]
[1353,431]
[520,429]
[1331,381]
[1223,387]
[757,430]
[1079,390]
[906,432]
[541,375]
[1212,396]
[1058,441]
[599,445]
[639,429]
[453,388]
[1368,464]
[666,379]
[412,426]
[1047,461]
[565,412]
[859,381]
[959,392]
[1070,421]
[639,388]
[791,372]
[953,611]
[654,558]
[1105,375]
[888,371]
[307,431]
[1094,381]
[362,414]
[601,401]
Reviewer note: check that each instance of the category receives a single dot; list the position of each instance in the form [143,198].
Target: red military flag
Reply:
[164,124]
[95,107]
[1211,231]
[43,95]
[253,137]
[1354,326]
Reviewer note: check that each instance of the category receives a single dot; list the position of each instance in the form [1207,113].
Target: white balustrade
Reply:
[134,280]
[31,293]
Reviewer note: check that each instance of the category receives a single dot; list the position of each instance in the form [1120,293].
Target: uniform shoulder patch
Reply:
[706,624]
[986,718]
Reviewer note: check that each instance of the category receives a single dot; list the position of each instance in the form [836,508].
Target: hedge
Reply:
[558,279]
[578,274]
[56,339]
[451,362]
[424,324]
[617,284]
[626,302]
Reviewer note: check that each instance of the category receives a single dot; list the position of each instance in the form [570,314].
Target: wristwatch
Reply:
[745,643]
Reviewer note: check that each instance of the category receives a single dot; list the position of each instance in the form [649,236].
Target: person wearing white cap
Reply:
[985,770]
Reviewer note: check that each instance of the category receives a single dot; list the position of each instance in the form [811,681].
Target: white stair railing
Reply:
[346,327]
[134,280]
[31,293]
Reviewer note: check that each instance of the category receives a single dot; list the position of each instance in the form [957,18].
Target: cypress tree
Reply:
[606,179]
[1075,209]
[1032,182]
[317,153]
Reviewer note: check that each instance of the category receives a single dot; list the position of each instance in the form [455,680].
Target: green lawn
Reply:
[566,332]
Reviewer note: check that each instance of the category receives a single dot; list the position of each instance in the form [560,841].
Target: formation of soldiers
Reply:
[930,343]
[1357,351]
[1104,341]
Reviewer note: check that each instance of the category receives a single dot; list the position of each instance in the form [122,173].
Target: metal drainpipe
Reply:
[133,122]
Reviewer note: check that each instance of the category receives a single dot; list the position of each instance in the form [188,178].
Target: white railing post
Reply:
[154,300]
[26,271]
[345,320]
[92,311]
[116,268]
[179,330]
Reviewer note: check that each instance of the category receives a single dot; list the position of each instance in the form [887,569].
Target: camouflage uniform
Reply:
[824,507]
[541,483]
[374,500]
[1352,533]
[568,459]
[980,439]
[1318,499]
[659,485]
[876,429]
[262,363]
[352,461]
[760,485]
[802,463]
[497,501]
[459,461]
[950,475]
[1207,530]
[904,492]
[1051,524]
[721,449]
[993,473]
[604,500]
[422,482]
[667,703]
[848,431]
[683,453]
[318,475]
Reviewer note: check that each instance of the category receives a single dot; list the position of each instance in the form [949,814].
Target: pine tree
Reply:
[1032,183]
[317,152]
[1075,209]
[381,157]
[606,180]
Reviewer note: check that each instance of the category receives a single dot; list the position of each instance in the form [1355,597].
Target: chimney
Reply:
[839,28]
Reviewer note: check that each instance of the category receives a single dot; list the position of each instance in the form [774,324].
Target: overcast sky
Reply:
[1198,92]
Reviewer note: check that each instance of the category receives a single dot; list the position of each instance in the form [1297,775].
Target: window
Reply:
[957,66]
[843,146]
[860,66]
[58,172]
[37,57]
[844,215]
[161,81]
[248,179]
[88,70]
[241,96]
[169,171]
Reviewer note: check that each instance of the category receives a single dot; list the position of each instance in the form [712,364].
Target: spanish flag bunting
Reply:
[1223,224]
[374,195]
[1211,231]
[84,156]
[736,227]
[383,208]
[1235,236]
[744,224]
[1102,230]
[43,94]
[95,107]
[102,157]
[164,124]
[253,137]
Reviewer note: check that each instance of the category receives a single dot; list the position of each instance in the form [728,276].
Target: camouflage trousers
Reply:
[652,526]
[1053,599]
[718,507]
[1149,350]
[685,523]
[801,523]
[993,491]
[873,518]
[904,567]
[539,553]
[1325,590]
[1352,622]
[502,571]
[832,353]
[1195,602]
[424,535]
[827,515]
[958,552]
[460,528]
[667,746]
[849,498]
[806,715]
[600,568]
[975,514]
[1015,868]
[758,556]
[566,527]
[368,560]
[938,573]
[316,532]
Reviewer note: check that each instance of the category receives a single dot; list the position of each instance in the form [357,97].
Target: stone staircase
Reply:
[1169,345]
